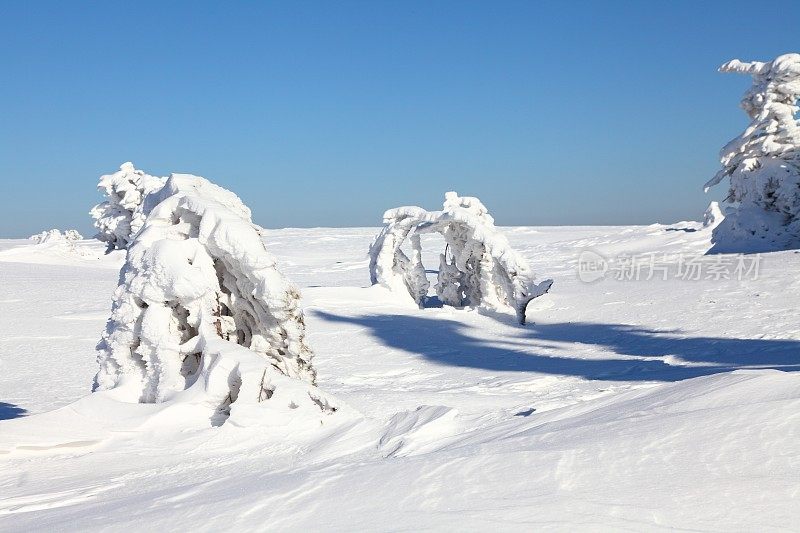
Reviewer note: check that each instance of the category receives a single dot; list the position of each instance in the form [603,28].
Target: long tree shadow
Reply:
[9,411]
[650,355]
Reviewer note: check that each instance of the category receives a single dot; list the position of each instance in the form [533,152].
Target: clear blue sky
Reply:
[327,113]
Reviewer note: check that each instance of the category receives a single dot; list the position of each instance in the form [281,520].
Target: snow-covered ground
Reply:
[624,404]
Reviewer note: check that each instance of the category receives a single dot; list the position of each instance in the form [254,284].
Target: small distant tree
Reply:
[55,235]
[763,163]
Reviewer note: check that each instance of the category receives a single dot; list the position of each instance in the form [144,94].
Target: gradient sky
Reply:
[328,113]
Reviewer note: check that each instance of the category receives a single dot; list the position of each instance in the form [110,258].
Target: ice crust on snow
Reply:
[122,215]
[763,163]
[202,314]
[478,267]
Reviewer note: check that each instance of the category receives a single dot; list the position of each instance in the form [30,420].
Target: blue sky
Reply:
[328,113]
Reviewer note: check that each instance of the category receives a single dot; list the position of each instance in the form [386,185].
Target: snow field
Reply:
[622,405]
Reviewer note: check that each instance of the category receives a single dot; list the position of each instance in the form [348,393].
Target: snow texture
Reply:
[763,163]
[477,268]
[119,218]
[202,313]
[628,405]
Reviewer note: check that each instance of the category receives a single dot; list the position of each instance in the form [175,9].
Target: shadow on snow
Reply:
[448,342]
[9,411]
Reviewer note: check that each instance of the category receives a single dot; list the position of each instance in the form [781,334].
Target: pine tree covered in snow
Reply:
[763,163]
[478,267]
[202,311]
[122,215]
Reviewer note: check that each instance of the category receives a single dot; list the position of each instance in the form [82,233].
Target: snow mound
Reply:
[120,217]
[202,313]
[763,163]
[55,235]
[478,267]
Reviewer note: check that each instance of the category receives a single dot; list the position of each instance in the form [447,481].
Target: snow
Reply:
[623,404]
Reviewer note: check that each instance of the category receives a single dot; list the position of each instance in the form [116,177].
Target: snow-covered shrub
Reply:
[120,217]
[66,245]
[202,312]
[54,235]
[478,267]
[763,163]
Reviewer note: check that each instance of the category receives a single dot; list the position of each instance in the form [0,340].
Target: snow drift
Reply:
[120,217]
[478,267]
[581,423]
[763,163]
[202,314]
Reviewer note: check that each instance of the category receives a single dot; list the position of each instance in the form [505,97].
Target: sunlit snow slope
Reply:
[624,404]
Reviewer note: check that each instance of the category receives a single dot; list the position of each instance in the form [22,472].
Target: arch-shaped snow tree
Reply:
[478,267]
[121,216]
[202,312]
[763,163]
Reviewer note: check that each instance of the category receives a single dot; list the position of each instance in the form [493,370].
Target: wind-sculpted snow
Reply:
[202,311]
[119,218]
[629,405]
[477,268]
[763,163]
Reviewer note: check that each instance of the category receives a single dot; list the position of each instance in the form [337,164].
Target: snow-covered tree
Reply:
[478,267]
[122,214]
[55,235]
[712,217]
[202,313]
[763,163]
